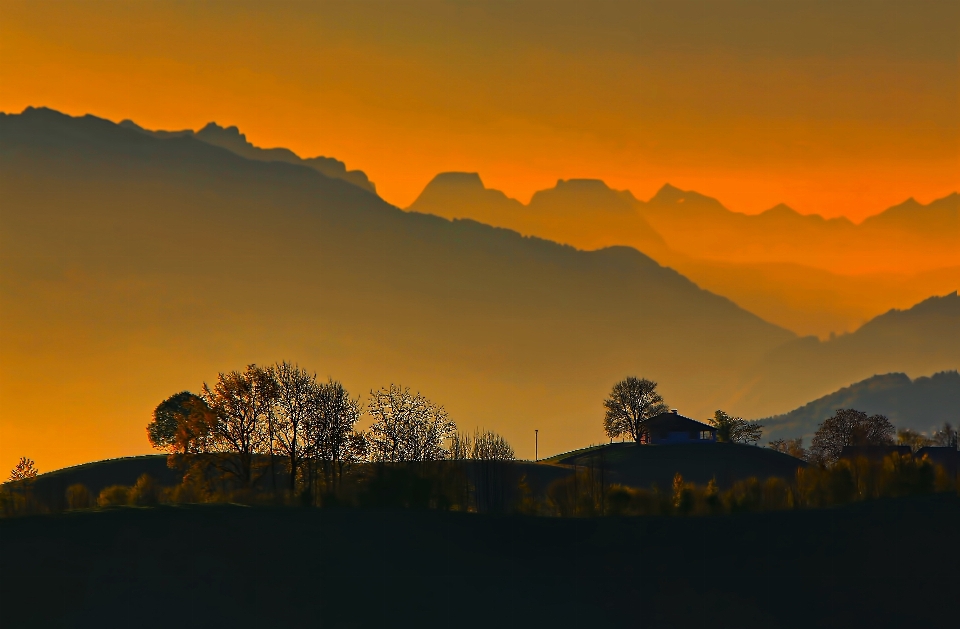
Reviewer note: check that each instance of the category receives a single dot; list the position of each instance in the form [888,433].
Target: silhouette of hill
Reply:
[922,404]
[763,262]
[646,465]
[671,572]
[136,266]
[920,340]
[231,139]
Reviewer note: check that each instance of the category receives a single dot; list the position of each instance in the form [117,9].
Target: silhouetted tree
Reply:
[489,446]
[946,436]
[329,429]
[242,403]
[849,427]
[461,446]
[295,406]
[735,429]
[24,470]
[181,424]
[631,403]
[793,447]
[407,427]
[912,438]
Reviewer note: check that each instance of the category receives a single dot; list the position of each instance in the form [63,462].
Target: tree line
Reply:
[262,424]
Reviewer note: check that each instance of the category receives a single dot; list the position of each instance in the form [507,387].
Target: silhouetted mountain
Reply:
[921,340]
[935,220]
[745,258]
[579,212]
[231,139]
[922,404]
[907,238]
[136,266]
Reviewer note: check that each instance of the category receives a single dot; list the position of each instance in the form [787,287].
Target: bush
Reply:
[146,491]
[78,497]
[114,495]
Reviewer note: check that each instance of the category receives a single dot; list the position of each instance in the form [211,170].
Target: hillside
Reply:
[918,341]
[780,265]
[922,404]
[224,565]
[136,266]
[646,465]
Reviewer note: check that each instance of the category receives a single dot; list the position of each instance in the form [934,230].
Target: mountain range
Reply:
[135,266]
[805,273]
[231,139]
[922,404]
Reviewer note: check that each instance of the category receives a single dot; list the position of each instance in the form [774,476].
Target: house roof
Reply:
[674,422]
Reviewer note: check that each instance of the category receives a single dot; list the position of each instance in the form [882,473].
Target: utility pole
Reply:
[536,445]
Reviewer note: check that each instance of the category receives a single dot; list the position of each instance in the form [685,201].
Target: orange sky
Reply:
[834,108]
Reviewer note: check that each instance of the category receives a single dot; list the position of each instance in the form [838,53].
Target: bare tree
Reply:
[849,427]
[735,429]
[489,446]
[407,427]
[912,438]
[461,446]
[946,436]
[294,409]
[631,403]
[329,429]
[792,447]
[242,403]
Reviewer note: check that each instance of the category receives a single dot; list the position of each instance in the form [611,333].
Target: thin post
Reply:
[536,445]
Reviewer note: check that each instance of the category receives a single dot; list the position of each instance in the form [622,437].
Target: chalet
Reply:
[671,427]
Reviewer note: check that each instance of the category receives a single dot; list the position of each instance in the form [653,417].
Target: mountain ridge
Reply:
[155,263]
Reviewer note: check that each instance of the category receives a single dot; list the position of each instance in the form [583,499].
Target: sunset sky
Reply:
[837,108]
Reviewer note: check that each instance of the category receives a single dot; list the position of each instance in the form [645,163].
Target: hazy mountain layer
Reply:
[775,264]
[231,139]
[919,341]
[922,404]
[134,267]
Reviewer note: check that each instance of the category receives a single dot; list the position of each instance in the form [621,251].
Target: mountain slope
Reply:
[921,340]
[922,404]
[731,254]
[134,267]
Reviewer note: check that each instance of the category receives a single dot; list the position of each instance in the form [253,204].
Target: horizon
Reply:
[791,105]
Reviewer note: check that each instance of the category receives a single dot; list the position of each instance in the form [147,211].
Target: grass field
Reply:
[872,564]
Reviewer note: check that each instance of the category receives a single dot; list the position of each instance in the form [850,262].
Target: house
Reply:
[946,457]
[671,427]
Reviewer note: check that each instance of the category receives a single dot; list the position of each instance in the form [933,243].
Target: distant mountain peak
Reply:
[457,179]
[583,184]
[668,194]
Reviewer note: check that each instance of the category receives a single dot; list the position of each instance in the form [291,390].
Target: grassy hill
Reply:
[645,465]
[231,566]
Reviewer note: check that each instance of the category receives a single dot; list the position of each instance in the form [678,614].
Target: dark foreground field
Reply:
[875,564]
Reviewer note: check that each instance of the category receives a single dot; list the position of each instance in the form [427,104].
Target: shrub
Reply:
[78,497]
[146,491]
[114,495]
